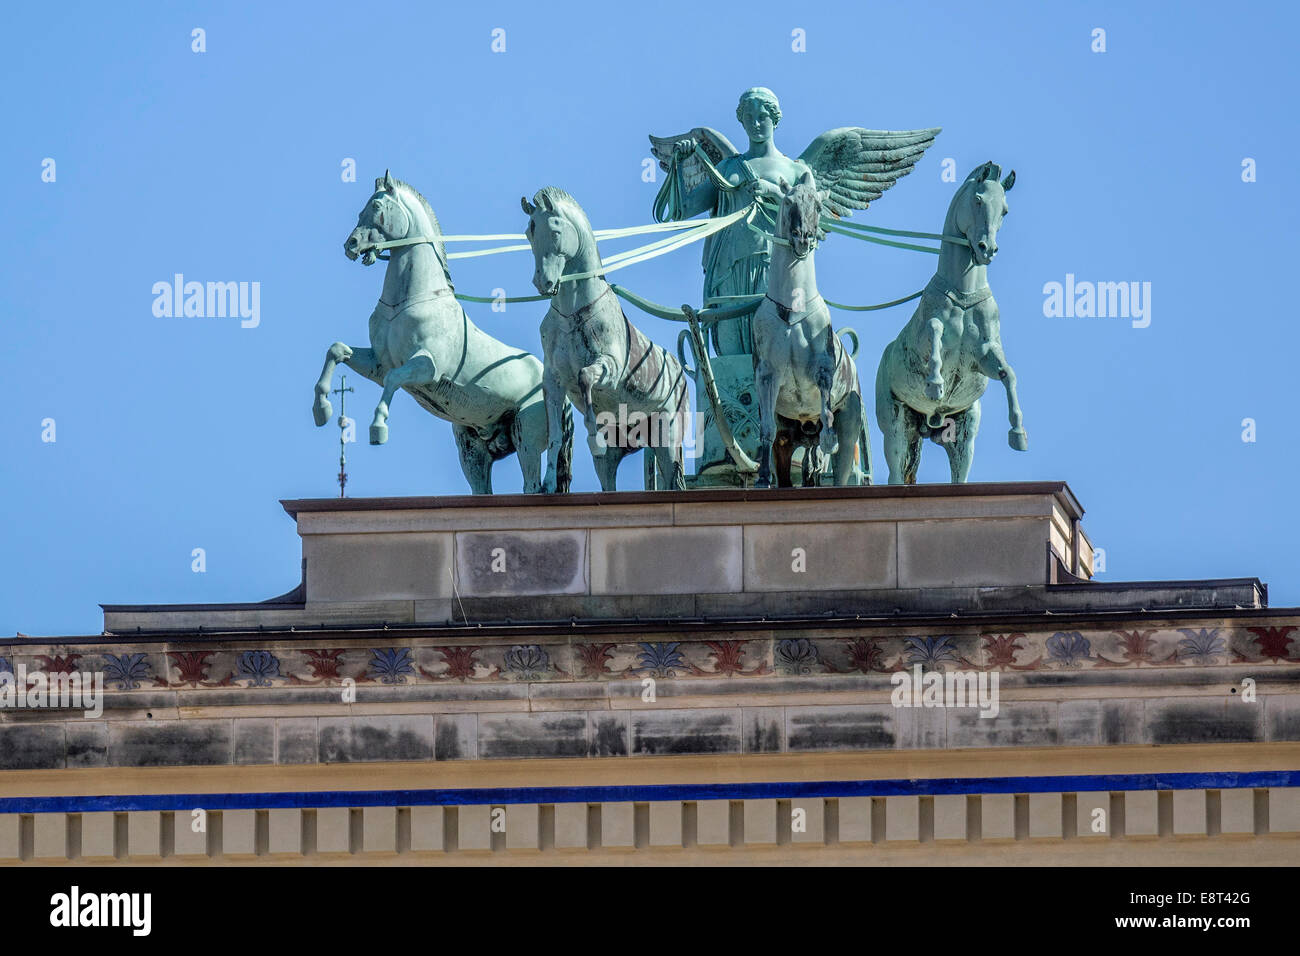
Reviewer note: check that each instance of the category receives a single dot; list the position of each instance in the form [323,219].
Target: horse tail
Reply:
[564,466]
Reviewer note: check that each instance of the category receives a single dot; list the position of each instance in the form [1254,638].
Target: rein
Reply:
[413,300]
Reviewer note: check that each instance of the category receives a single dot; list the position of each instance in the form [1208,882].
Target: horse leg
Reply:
[419,369]
[899,426]
[607,467]
[475,459]
[598,372]
[961,449]
[994,364]
[667,451]
[766,388]
[934,368]
[849,422]
[531,436]
[828,440]
[783,458]
[362,360]
[554,400]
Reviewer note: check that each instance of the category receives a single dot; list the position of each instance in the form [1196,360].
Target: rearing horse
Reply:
[931,377]
[422,341]
[807,382]
[594,357]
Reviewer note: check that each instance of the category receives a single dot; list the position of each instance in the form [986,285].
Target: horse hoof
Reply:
[1018,440]
[378,434]
[322,411]
[762,483]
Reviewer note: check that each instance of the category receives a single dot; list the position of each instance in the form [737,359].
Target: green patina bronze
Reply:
[931,377]
[423,342]
[706,174]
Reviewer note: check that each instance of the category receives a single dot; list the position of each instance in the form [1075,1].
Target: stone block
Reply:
[666,823]
[32,747]
[377,567]
[379,829]
[254,740]
[902,819]
[49,836]
[1237,811]
[617,826]
[296,741]
[1202,721]
[1086,817]
[571,826]
[427,828]
[1046,816]
[144,834]
[702,731]
[333,830]
[997,817]
[762,730]
[849,555]
[1141,814]
[677,560]
[86,743]
[1284,810]
[1189,813]
[455,737]
[239,833]
[713,823]
[546,734]
[950,818]
[808,820]
[98,835]
[847,727]
[169,743]
[936,554]
[374,737]
[186,841]
[499,563]
[760,822]
[474,827]
[523,826]
[855,819]
[284,831]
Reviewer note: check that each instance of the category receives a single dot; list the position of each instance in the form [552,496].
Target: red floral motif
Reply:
[726,657]
[595,659]
[193,667]
[1136,648]
[324,666]
[864,655]
[1002,650]
[1273,642]
[461,664]
[59,664]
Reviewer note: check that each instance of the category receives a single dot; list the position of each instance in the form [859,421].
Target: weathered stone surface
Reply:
[937,554]
[87,743]
[377,567]
[666,560]
[763,730]
[31,746]
[169,743]
[490,563]
[1201,721]
[608,733]
[455,737]
[852,727]
[550,734]
[361,738]
[703,731]
[254,740]
[296,740]
[858,555]
[1020,723]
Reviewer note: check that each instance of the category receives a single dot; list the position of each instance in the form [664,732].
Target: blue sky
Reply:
[174,433]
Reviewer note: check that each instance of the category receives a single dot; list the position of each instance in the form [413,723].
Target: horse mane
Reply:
[439,247]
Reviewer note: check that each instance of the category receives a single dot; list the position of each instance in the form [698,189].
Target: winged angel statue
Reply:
[707,174]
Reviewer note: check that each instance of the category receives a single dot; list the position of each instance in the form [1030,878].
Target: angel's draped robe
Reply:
[735,259]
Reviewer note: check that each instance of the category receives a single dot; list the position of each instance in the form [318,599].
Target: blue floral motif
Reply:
[258,668]
[930,652]
[1203,644]
[1070,648]
[527,662]
[797,656]
[127,670]
[391,664]
[660,660]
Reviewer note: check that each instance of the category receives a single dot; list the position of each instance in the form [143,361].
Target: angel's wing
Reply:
[695,183]
[857,165]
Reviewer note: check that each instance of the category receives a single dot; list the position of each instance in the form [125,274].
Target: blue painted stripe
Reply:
[647,793]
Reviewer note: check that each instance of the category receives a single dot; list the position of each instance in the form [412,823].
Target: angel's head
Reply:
[759,112]
[799,219]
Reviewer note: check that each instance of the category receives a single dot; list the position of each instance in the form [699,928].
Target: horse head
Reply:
[978,208]
[799,219]
[559,234]
[395,211]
